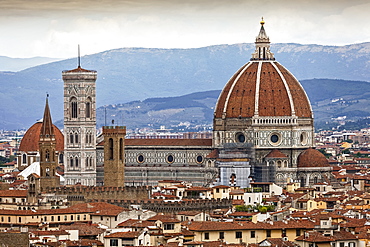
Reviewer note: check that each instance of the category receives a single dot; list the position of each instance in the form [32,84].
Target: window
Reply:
[52,218]
[110,148]
[71,217]
[88,108]
[351,244]
[298,232]
[238,235]
[71,138]
[73,108]
[78,217]
[253,234]
[47,155]
[221,235]
[268,233]
[58,218]
[341,244]
[206,235]
[113,242]
[140,158]
[170,159]
[65,217]
[121,149]
[169,226]
[24,158]
[20,219]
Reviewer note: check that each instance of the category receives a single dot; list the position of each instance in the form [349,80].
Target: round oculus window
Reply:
[170,158]
[140,158]
[199,159]
[240,137]
[303,138]
[274,138]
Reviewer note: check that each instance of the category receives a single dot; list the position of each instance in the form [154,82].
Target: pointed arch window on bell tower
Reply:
[73,107]
[88,108]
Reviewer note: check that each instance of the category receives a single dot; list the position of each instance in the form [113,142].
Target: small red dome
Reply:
[312,158]
[30,140]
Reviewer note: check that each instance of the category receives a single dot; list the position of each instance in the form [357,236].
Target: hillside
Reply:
[329,98]
[129,74]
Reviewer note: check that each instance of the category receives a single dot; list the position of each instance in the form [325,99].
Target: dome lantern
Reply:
[262,51]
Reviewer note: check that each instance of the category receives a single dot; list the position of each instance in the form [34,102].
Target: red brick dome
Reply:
[263,88]
[312,158]
[30,140]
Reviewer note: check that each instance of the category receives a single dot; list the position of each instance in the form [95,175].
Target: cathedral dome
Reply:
[30,140]
[312,158]
[263,87]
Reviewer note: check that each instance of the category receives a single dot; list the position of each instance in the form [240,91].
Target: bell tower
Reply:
[114,157]
[48,159]
[80,126]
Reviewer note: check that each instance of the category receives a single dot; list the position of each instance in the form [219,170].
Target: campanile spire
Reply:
[262,51]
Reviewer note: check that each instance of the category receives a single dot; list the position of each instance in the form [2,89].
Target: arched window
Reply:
[71,162]
[73,107]
[76,138]
[91,161]
[76,162]
[71,138]
[24,159]
[121,149]
[88,108]
[47,155]
[110,148]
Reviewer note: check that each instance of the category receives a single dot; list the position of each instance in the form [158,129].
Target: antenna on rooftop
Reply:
[79,57]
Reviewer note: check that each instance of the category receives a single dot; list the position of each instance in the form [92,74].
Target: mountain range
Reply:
[135,74]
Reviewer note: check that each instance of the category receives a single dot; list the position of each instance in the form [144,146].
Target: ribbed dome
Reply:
[30,140]
[263,88]
[312,158]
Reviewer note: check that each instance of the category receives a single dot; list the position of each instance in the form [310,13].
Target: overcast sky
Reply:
[54,28]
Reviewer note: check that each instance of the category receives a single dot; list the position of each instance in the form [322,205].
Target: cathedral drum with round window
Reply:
[275,139]
[304,138]
[140,158]
[170,159]
[199,159]
[240,137]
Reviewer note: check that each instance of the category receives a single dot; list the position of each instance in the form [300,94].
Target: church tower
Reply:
[114,156]
[80,126]
[48,158]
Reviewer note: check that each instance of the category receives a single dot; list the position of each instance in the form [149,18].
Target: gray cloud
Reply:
[53,28]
